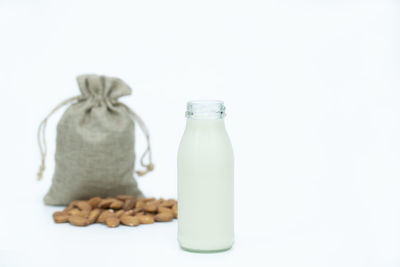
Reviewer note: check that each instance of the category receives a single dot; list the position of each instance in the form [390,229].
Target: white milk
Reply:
[205,180]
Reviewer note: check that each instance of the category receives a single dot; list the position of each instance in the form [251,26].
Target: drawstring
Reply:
[150,166]
[42,134]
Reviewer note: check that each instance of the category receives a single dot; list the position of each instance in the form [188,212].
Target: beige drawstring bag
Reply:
[95,147]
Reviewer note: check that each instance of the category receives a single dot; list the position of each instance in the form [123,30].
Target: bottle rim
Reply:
[205,109]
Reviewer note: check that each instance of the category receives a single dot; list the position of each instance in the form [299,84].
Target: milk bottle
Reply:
[205,180]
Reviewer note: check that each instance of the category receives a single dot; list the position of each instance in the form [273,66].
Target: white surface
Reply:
[312,96]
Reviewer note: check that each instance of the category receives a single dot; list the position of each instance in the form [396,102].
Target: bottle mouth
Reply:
[205,109]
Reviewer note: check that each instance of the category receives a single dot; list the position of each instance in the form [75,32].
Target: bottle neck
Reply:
[210,123]
[205,110]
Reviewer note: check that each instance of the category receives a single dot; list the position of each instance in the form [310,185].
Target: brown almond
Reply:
[148,199]
[130,220]
[83,213]
[129,213]
[139,203]
[105,203]
[164,209]
[145,219]
[175,210]
[133,212]
[124,197]
[173,200]
[136,210]
[78,221]
[164,217]
[59,213]
[74,211]
[84,205]
[93,215]
[94,202]
[119,213]
[103,216]
[116,204]
[124,209]
[150,207]
[61,218]
[168,203]
[156,202]
[112,221]
[71,205]
[129,204]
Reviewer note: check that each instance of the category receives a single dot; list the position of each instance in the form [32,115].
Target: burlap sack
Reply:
[95,150]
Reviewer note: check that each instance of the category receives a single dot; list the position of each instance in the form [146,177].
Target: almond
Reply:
[83,213]
[139,203]
[112,221]
[149,199]
[124,209]
[61,218]
[164,209]
[116,204]
[164,217]
[129,213]
[58,213]
[93,215]
[173,200]
[119,213]
[137,210]
[129,204]
[124,197]
[150,207]
[130,220]
[74,211]
[103,216]
[84,205]
[175,210]
[94,202]
[78,221]
[168,203]
[72,205]
[105,203]
[139,213]
[145,219]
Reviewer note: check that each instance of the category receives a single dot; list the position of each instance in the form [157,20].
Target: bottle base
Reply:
[205,251]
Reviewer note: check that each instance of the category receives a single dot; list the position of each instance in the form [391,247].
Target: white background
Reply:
[312,95]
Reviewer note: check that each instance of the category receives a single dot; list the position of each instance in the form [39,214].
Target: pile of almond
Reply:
[122,209]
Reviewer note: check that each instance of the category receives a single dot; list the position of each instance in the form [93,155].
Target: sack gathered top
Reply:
[95,145]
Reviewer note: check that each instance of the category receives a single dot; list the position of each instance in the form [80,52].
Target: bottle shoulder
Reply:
[210,142]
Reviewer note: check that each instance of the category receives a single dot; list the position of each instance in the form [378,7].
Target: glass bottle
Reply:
[205,180]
